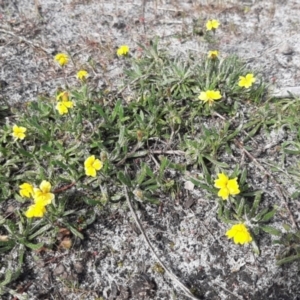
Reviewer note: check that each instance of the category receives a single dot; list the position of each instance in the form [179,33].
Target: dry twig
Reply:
[168,272]
[21,38]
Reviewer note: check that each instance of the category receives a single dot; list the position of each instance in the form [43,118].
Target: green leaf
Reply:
[91,202]
[152,200]
[202,185]
[116,110]
[25,153]
[91,218]
[124,179]
[40,231]
[72,149]
[60,164]
[268,215]
[34,246]
[241,207]
[243,176]
[255,230]
[271,230]
[49,149]
[255,247]
[217,163]
[100,110]
[7,279]
[288,259]
[163,166]
[5,246]
[258,217]
[286,227]
[256,202]
[75,232]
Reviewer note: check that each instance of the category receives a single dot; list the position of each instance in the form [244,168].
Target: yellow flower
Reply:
[227,186]
[123,50]
[35,210]
[239,233]
[213,54]
[82,75]
[63,106]
[91,165]
[212,24]
[246,81]
[26,190]
[42,195]
[61,58]
[19,132]
[63,96]
[210,96]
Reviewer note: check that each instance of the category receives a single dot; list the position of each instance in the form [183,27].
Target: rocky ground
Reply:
[113,260]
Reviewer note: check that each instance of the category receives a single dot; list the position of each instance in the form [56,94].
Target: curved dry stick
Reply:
[23,39]
[168,272]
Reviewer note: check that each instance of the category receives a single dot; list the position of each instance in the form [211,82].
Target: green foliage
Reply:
[291,251]
[148,144]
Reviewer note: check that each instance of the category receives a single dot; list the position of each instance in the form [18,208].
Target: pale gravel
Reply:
[261,36]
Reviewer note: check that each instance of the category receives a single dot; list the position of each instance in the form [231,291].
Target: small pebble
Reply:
[59,270]
[78,267]
[285,49]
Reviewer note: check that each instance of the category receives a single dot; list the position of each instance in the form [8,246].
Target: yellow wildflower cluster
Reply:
[63,104]
[41,198]
[244,81]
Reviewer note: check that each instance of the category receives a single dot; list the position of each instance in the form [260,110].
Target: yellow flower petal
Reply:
[42,195]
[223,193]
[26,190]
[90,171]
[222,181]
[97,164]
[233,186]
[45,186]
[203,96]
[89,161]
[63,107]
[35,210]
[63,96]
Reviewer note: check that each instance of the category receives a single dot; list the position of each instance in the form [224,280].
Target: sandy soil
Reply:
[113,261]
